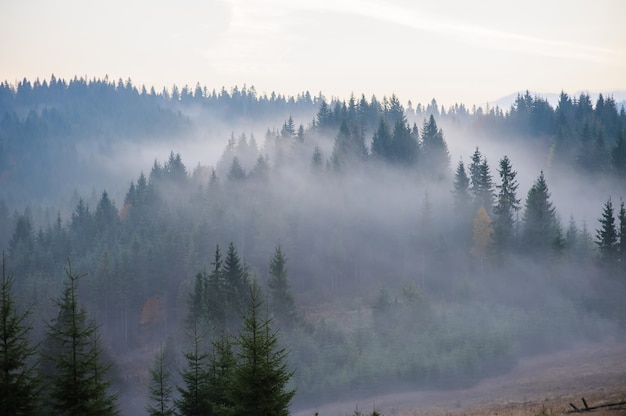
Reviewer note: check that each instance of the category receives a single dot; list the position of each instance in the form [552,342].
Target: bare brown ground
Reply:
[541,385]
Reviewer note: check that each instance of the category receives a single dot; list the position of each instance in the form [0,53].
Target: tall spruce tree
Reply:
[282,300]
[78,382]
[19,385]
[194,394]
[381,142]
[460,191]
[259,384]
[481,182]
[539,220]
[159,388]
[220,373]
[215,292]
[434,151]
[507,204]
[618,156]
[607,237]
[621,234]
[236,283]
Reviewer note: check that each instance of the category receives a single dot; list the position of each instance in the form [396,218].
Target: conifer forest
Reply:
[200,252]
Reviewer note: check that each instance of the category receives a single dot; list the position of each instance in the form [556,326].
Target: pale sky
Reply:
[454,50]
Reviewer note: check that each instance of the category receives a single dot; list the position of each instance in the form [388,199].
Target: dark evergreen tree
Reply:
[434,151]
[539,220]
[194,394]
[159,388]
[349,147]
[216,292]
[486,188]
[174,170]
[621,234]
[236,172]
[22,245]
[236,284]
[78,382]
[19,385]
[282,299]
[618,156]
[462,199]
[381,143]
[507,204]
[404,146]
[316,160]
[259,384]
[197,302]
[607,236]
[261,170]
[476,185]
[222,364]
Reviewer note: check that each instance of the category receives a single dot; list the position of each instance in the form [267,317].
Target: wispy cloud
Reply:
[476,35]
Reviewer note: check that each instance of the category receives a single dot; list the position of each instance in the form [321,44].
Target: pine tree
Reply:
[78,382]
[404,146]
[621,234]
[282,300]
[381,143]
[618,156]
[539,221]
[434,151]
[194,394]
[481,182]
[221,366]
[19,386]
[607,237]
[236,283]
[197,301]
[461,190]
[507,205]
[316,160]
[215,292]
[236,172]
[159,389]
[260,379]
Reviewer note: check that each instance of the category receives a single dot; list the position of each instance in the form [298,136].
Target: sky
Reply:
[470,52]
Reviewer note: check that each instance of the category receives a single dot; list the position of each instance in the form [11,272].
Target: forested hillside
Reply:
[385,260]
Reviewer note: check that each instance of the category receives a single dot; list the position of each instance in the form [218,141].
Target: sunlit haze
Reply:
[454,51]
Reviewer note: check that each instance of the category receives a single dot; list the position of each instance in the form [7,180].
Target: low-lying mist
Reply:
[402,278]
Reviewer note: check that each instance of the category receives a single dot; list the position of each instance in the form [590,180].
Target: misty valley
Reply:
[197,252]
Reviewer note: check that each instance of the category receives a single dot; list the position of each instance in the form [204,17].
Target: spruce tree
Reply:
[78,380]
[606,236]
[461,190]
[236,283]
[618,156]
[539,220]
[481,182]
[197,301]
[215,292]
[381,142]
[259,384]
[282,300]
[19,386]
[621,234]
[194,394]
[220,373]
[159,388]
[507,204]
[434,151]
[404,145]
